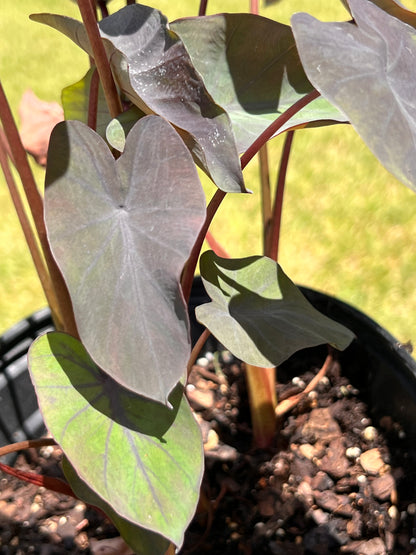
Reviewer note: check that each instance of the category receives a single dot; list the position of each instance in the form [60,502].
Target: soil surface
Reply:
[335,481]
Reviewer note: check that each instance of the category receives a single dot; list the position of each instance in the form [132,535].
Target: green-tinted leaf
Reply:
[141,458]
[368,71]
[259,314]
[142,541]
[75,100]
[155,72]
[121,232]
[251,67]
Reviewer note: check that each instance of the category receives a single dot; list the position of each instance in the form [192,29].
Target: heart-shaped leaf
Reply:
[155,72]
[259,314]
[75,100]
[121,231]
[251,67]
[367,70]
[142,459]
[142,541]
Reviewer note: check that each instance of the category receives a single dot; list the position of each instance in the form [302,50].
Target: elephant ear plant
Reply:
[125,217]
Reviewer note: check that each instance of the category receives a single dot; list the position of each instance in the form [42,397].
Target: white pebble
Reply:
[393,512]
[353,452]
[203,361]
[369,433]
[298,382]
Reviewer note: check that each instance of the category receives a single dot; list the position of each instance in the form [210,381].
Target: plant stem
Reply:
[54,484]
[93,100]
[203,7]
[254,6]
[28,231]
[189,270]
[278,202]
[287,404]
[100,57]
[197,349]
[261,385]
[266,199]
[276,125]
[35,202]
[27,444]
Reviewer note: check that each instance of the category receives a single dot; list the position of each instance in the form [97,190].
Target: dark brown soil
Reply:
[335,482]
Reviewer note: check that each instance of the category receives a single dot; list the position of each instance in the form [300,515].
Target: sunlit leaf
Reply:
[154,70]
[251,67]
[113,228]
[142,541]
[259,314]
[393,8]
[139,457]
[367,70]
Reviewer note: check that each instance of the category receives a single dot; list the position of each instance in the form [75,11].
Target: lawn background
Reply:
[348,225]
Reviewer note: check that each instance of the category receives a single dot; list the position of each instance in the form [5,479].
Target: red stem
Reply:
[219,195]
[278,203]
[189,270]
[54,484]
[203,7]
[100,58]
[93,100]
[35,202]
[276,125]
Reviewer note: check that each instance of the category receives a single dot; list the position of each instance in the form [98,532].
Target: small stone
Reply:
[305,491]
[34,508]
[355,526]
[202,399]
[321,425]
[371,461]
[335,463]
[308,451]
[298,382]
[370,433]
[374,546]
[203,362]
[393,512]
[212,441]
[383,486]
[333,503]
[321,481]
[319,516]
[353,452]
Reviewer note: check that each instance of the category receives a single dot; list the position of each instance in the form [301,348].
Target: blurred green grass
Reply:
[348,225]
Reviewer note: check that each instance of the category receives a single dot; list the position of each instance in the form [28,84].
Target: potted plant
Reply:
[124,217]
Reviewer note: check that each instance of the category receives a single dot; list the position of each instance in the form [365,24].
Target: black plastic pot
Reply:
[375,362]
[20,417]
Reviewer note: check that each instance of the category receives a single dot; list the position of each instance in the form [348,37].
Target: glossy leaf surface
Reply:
[259,314]
[113,229]
[139,457]
[154,70]
[367,70]
[251,67]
